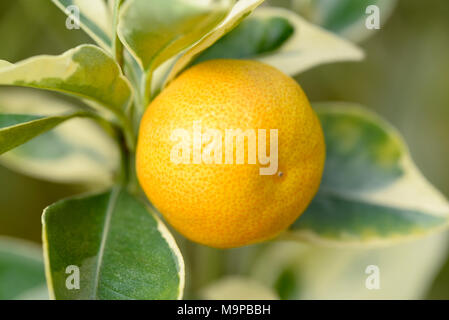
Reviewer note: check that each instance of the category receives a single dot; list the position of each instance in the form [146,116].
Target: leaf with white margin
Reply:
[406,269]
[371,192]
[237,288]
[77,151]
[155,31]
[122,249]
[17,129]
[95,19]
[86,72]
[241,10]
[252,38]
[344,17]
[309,46]
[21,270]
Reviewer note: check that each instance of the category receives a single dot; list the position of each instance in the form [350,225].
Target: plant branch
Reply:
[123,177]
[128,131]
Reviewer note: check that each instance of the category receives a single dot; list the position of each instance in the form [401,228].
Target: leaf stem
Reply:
[117,44]
[128,131]
[124,157]
[127,177]
[148,79]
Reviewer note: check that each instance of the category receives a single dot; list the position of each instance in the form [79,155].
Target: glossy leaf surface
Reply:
[121,249]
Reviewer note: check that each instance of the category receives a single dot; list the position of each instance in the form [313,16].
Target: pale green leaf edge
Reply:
[166,234]
[6,66]
[309,47]
[51,121]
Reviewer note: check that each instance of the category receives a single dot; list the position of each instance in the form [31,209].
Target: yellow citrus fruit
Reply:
[221,203]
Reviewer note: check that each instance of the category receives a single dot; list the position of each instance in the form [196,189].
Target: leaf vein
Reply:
[110,209]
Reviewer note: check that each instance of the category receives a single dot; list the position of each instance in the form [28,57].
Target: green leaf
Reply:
[76,151]
[94,19]
[21,270]
[155,31]
[309,46]
[121,248]
[254,37]
[16,129]
[240,10]
[294,45]
[86,72]
[371,191]
[237,288]
[344,17]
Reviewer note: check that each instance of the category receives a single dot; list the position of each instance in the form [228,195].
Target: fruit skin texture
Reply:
[231,205]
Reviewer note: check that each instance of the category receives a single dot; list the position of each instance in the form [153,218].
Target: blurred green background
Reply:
[405,78]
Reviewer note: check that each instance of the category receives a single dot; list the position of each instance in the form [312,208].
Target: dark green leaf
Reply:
[122,250]
[252,38]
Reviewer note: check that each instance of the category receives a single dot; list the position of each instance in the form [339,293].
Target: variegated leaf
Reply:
[155,31]
[86,72]
[77,151]
[309,46]
[16,129]
[121,249]
[371,192]
[241,10]
[345,17]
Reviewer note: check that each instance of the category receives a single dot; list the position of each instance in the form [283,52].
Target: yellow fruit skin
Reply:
[230,205]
